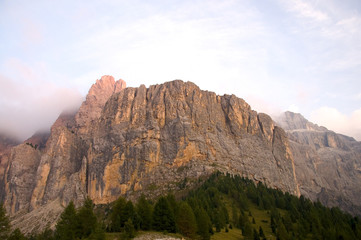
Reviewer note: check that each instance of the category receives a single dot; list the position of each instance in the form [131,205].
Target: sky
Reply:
[279,55]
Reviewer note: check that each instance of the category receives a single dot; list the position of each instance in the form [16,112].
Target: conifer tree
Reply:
[261,233]
[186,221]
[255,235]
[117,215]
[98,233]
[17,235]
[235,218]
[243,220]
[247,231]
[47,234]
[129,212]
[144,211]
[203,224]
[129,229]
[282,232]
[4,223]
[172,203]
[163,218]
[87,219]
[66,227]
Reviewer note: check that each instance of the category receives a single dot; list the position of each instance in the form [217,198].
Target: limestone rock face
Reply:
[328,165]
[92,107]
[19,177]
[167,132]
[38,140]
[6,143]
[142,140]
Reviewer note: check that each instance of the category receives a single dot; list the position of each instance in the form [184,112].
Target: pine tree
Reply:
[247,232]
[4,223]
[273,224]
[66,227]
[17,235]
[186,221]
[282,232]
[261,233]
[87,219]
[144,211]
[203,224]
[255,235]
[129,229]
[243,219]
[163,218]
[218,222]
[47,234]
[98,233]
[117,215]
[129,212]
[172,203]
[235,218]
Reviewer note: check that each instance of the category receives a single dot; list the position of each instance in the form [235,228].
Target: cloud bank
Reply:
[336,121]
[29,104]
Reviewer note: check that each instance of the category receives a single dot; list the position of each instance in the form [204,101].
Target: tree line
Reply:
[220,203]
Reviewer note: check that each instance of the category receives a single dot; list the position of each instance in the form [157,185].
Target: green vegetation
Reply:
[31,145]
[223,207]
[4,223]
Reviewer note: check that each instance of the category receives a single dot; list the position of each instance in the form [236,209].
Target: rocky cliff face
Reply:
[167,132]
[328,165]
[6,143]
[90,110]
[132,140]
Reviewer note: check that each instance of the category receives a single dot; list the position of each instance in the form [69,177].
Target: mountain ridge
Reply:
[328,164]
[128,141]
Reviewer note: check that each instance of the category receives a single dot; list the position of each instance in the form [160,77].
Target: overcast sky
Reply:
[303,56]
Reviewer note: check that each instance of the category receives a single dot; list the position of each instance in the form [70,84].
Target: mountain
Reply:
[128,141]
[328,165]
[132,141]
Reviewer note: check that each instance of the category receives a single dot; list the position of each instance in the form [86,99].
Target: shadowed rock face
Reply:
[6,143]
[328,165]
[132,140]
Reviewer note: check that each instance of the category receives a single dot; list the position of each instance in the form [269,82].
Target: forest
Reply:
[221,207]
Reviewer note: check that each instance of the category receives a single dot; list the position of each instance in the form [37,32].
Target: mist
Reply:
[33,106]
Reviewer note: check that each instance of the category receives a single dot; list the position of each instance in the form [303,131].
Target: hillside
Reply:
[222,207]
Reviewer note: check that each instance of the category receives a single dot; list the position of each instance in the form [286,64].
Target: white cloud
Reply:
[293,108]
[200,44]
[357,96]
[29,103]
[336,121]
[305,9]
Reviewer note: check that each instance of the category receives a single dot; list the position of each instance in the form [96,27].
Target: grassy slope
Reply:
[259,215]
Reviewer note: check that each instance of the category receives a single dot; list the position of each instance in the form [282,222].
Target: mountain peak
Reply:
[295,121]
[98,95]
[106,86]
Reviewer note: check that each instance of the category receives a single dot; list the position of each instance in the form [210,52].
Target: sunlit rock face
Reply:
[328,165]
[52,170]
[90,110]
[167,132]
[127,141]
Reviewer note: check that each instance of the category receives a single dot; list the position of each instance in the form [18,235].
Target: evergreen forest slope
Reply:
[222,207]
